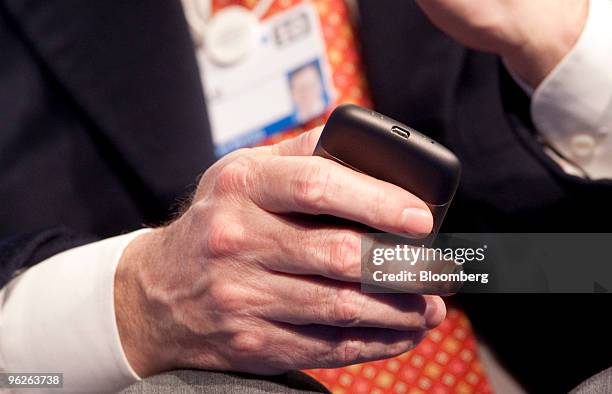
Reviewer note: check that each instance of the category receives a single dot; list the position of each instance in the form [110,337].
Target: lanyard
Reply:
[229,35]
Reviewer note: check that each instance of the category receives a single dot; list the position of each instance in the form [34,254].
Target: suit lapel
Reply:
[130,67]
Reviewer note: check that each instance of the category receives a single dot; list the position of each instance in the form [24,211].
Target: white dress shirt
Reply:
[58,316]
[572,107]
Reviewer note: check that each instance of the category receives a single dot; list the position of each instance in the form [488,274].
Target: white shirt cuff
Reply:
[59,316]
[572,107]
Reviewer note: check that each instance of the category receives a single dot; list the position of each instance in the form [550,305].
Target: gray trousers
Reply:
[600,383]
[188,381]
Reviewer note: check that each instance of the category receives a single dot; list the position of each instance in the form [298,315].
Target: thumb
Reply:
[301,145]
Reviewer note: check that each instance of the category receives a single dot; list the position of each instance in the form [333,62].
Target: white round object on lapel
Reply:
[231,35]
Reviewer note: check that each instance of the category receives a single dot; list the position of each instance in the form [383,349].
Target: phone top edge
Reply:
[366,140]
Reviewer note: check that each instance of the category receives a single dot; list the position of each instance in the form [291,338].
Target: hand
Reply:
[250,279]
[531,35]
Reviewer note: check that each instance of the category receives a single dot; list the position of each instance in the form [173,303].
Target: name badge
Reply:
[282,83]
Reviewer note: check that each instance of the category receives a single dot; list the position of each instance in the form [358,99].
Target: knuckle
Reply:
[348,351]
[348,307]
[311,187]
[233,176]
[344,257]
[224,297]
[248,342]
[224,237]
[379,203]
[198,214]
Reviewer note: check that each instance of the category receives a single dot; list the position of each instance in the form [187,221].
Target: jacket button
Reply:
[583,145]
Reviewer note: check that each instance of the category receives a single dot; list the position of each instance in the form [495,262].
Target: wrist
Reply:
[533,57]
[141,340]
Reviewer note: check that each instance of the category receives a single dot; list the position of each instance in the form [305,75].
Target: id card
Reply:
[283,83]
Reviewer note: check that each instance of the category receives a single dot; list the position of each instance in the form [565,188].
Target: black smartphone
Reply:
[383,148]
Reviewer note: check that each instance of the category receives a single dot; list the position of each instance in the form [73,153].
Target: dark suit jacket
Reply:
[103,128]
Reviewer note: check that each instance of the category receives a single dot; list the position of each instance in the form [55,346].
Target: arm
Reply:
[239,282]
[531,36]
[572,107]
[560,52]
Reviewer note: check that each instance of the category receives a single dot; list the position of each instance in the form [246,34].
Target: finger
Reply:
[296,245]
[315,185]
[332,347]
[301,145]
[306,247]
[315,300]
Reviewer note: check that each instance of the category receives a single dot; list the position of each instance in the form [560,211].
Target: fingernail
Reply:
[417,221]
[435,312]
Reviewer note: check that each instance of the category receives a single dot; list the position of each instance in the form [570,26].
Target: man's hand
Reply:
[250,279]
[531,35]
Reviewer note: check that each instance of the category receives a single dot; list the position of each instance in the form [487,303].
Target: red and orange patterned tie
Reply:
[445,362]
[447,359]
